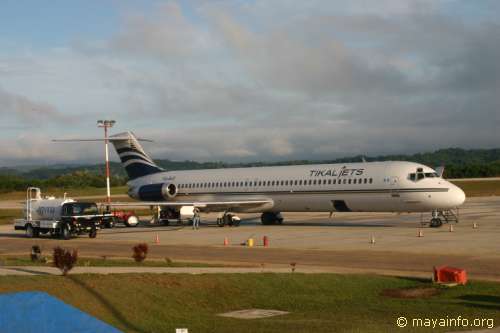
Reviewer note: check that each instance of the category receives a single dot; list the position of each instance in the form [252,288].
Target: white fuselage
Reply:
[363,187]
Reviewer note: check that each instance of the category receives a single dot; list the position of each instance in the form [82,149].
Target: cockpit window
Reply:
[421,175]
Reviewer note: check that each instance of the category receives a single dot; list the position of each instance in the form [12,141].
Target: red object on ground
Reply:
[446,274]
[265,240]
[123,215]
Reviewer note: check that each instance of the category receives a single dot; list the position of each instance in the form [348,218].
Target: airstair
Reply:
[449,215]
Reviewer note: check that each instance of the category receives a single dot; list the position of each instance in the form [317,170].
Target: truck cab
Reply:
[80,217]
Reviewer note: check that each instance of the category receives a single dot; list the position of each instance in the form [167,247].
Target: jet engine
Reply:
[169,190]
[157,192]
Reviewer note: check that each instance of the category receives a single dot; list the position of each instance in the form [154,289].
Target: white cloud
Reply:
[272,80]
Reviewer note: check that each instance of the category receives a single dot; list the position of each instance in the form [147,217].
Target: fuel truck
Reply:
[60,217]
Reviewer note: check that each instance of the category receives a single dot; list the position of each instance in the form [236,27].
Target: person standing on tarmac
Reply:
[196,219]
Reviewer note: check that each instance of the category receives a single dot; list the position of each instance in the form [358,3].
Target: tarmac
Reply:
[346,243]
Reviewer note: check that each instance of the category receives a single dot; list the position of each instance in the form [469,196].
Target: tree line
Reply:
[76,179]
[459,163]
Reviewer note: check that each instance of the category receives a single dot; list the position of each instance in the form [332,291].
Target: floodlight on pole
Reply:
[106,124]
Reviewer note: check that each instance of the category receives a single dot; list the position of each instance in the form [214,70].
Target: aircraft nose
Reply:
[457,196]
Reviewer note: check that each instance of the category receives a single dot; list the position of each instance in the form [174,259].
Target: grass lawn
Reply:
[478,188]
[103,262]
[318,303]
[7,216]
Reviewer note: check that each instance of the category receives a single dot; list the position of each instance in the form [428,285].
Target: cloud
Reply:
[267,80]
[26,110]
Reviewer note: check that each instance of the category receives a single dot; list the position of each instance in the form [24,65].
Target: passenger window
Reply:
[286,182]
[329,181]
[350,180]
[371,180]
[420,176]
[413,177]
[334,181]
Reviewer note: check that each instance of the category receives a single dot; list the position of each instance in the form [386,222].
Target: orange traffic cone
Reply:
[157,239]
[226,241]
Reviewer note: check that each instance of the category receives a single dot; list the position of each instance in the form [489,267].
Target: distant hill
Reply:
[460,163]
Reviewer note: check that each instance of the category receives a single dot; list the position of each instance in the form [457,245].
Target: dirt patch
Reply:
[253,314]
[419,292]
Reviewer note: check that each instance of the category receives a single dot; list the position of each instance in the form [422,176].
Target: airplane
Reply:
[391,186]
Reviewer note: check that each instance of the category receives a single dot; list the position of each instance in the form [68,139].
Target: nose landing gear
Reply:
[443,216]
[435,223]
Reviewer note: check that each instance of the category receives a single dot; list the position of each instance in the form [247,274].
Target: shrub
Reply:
[65,259]
[140,252]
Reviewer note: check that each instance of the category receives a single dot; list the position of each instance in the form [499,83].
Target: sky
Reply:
[251,80]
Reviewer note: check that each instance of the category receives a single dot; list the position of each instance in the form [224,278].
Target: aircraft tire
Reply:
[268,218]
[436,223]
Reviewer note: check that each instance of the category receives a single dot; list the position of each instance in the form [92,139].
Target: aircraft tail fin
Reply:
[134,159]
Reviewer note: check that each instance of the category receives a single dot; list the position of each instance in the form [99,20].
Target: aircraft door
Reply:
[395,193]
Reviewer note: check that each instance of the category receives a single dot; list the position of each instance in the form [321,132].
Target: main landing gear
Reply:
[228,219]
[270,218]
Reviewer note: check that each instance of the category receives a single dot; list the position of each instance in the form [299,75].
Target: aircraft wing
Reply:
[204,205]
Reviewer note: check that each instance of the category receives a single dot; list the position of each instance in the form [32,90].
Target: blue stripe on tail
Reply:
[134,159]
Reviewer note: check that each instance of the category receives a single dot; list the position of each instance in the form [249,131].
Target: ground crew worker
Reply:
[196,219]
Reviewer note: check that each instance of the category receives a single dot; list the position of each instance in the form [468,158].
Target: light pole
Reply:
[106,124]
